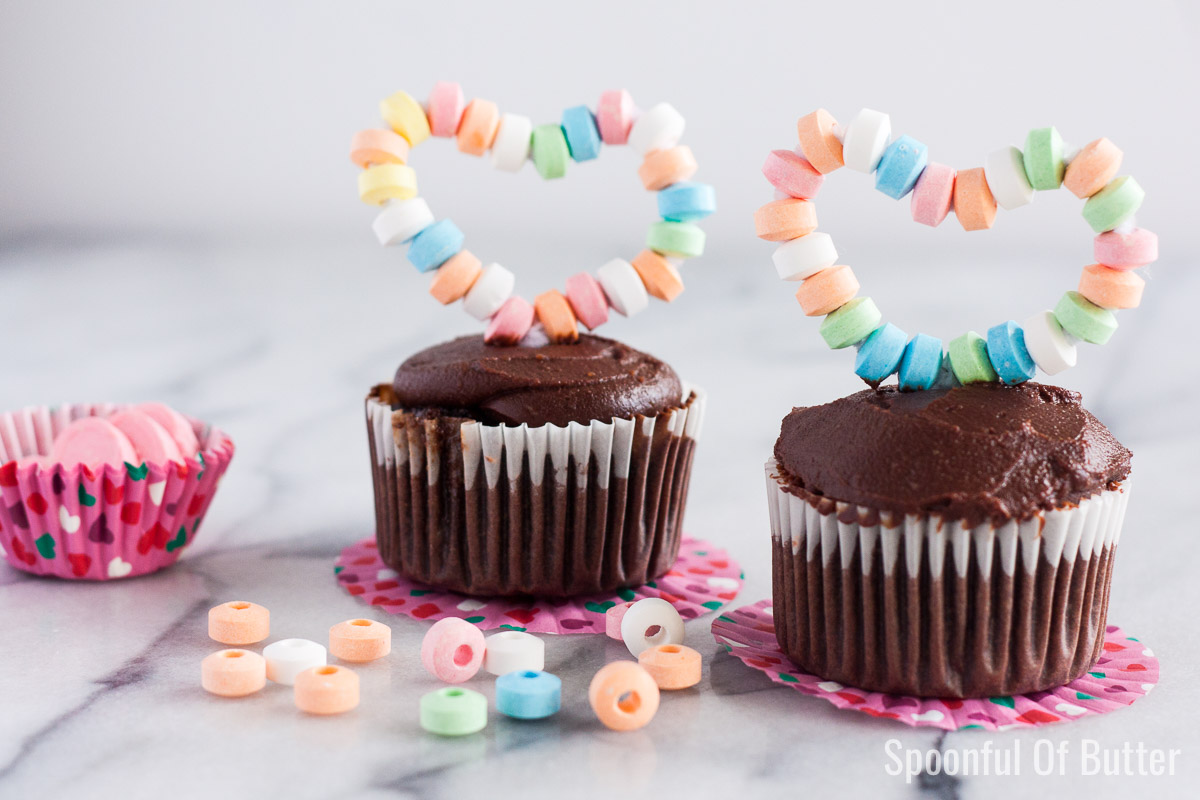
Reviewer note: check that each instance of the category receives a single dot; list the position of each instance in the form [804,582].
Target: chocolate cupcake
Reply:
[551,471]
[949,543]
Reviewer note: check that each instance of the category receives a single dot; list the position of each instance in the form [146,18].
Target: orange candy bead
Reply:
[624,696]
[480,120]
[672,666]
[1111,288]
[827,291]
[785,219]
[233,673]
[326,690]
[360,640]
[556,316]
[661,168]
[974,204]
[378,147]
[659,276]
[1092,168]
[455,278]
[818,142]
[239,622]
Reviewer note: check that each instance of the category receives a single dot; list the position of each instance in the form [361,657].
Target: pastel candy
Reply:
[549,151]
[360,640]
[782,220]
[453,650]
[477,128]
[1008,355]
[287,658]
[657,129]
[556,316]
[658,275]
[528,694]
[493,286]
[433,246]
[1108,288]
[880,353]
[239,622]
[378,147]
[1044,159]
[583,138]
[1048,346]
[406,117]
[149,439]
[1114,204]
[686,202]
[382,182]
[513,651]
[326,690]
[95,442]
[623,696]
[672,666]
[612,619]
[851,323]
[1092,168]
[453,711]
[969,359]
[681,239]
[792,174]
[651,621]
[445,108]
[175,424]
[1005,172]
[623,287]
[401,220]
[804,256]
[455,278]
[974,204]
[933,194]
[510,324]
[510,148]
[233,673]
[614,116]
[921,363]
[900,166]
[1126,249]
[661,168]
[587,300]
[827,290]
[818,141]
[867,137]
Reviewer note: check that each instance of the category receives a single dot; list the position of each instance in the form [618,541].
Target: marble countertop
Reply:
[277,343]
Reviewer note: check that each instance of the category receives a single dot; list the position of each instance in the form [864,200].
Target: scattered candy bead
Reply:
[974,204]
[649,622]
[435,245]
[233,673]
[612,620]
[686,202]
[493,286]
[1008,355]
[360,640]
[866,138]
[1126,249]
[287,658]
[556,316]
[96,442]
[880,353]
[933,194]
[406,117]
[1114,204]
[151,442]
[510,148]
[583,138]
[509,325]
[239,622]
[661,168]
[614,116]
[1044,159]
[818,141]
[658,275]
[587,300]
[528,694]
[851,323]
[549,151]
[921,363]
[623,696]
[1092,168]
[623,287]
[477,128]
[452,650]
[969,359]
[1111,288]
[382,182]
[453,711]
[657,129]
[445,108]
[400,221]
[827,290]
[792,174]
[901,165]
[326,690]
[672,666]
[1085,320]
[681,239]
[1006,178]
[378,147]
[803,257]
[513,651]
[1048,346]
[454,278]
[786,219]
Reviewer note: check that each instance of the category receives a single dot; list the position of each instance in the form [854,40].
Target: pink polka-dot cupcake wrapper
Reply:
[1127,671]
[703,580]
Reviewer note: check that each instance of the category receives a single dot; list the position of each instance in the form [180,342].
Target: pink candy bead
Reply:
[932,196]
[792,174]
[511,322]
[612,620]
[1128,250]
[614,116]
[453,650]
[587,300]
[445,108]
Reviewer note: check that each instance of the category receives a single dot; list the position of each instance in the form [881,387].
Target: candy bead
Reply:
[510,148]
[623,287]
[612,619]
[792,174]
[686,202]
[649,622]
[851,323]
[453,711]
[587,300]
[969,359]
[401,220]
[818,142]
[657,129]
[378,147]
[454,278]
[175,424]
[973,201]
[435,245]
[1048,346]
[477,129]
[382,182]
[326,690]
[827,290]
[1006,178]
[528,694]
[900,166]
[510,324]
[803,257]
[453,650]
[1114,204]
[583,138]
[360,640]
[1008,355]
[493,286]
[406,117]
[151,442]
[239,622]
[556,316]
[661,168]
[623,696]
[233,673]
[1126,249]
[681,239]
[1111,288]
[445,108]
[880,354]
[287,658]
[933,194]
[921,363]
[866,138]
[672,666]
[1044,159]
[549,151]
[512,651]
[614,116]
[783,220]
[1092,168]
[658,275]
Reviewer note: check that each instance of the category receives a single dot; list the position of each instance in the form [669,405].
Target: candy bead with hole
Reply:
[900,166]
[510,148]
[587,300]
[1043,156]
[287,658]
[528,694]
[556,316]
[680,239]
[1092,168]
[851,323]
[1111,288]
[435,245]
[921,363]
[477,128]
[785,219]
[933,194]
[805,256]
[510,651]
[614,116]
[828,290]
[453,711]
[360,640]
[1126,249]
[453,650]
[818,141]
[445,108]
[657,129]
[658,275]
[1006,178]
[493,286]
[650,622]
[1048,345]
[974,204]
[401,220]
[613,617]
[662,168]
[686,202]
[880,354]
[969,359]
[867,137]
[510,324]
[1008,354]
[326,690]
[792,174]
[406,117]
[380,183]
[233,673]
[583,138]
[239,622]
[455,278]
[1085,320]
[623,287]
[672,666]
[548,147]
[1113,205]
[623,696]
[378,147]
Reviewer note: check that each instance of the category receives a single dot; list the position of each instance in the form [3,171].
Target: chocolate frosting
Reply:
[982,452]
[592,379]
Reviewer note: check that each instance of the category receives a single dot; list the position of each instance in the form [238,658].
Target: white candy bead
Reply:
[1005,173]
[649,623]
[287,658]
[402,220]
[801,258]
[493,286]
[659,128]
[510,651]
[867,136]
[1047,344]
[623,287]
[510,148]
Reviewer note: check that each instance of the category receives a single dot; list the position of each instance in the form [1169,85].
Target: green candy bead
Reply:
[549,151]
[969,359]
[453,712]
[1113,204]
[681,239]
[1044,158]
[1085,320]
[851,323]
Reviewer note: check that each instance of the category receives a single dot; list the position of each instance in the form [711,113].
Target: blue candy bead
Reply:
[903,162]
[528,694]
[879,355]
[1008,354]
[583,138]
[686,202]
[433,246]
[922,362]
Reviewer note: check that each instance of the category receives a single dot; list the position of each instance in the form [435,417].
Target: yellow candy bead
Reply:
[383,182]
[406,117]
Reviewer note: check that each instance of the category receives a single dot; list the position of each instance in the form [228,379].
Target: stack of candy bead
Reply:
[511,139]
[1009,353]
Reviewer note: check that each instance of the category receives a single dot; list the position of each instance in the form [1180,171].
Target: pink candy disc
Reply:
[95,442]
[933,194]
[453,650]
[511,322]
[588,300]
[612,620]
[792,174]
[614,116]
[151,440]
[445,108]
[1127,250]
[176,425]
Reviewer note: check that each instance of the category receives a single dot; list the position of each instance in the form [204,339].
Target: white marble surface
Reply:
[277,343]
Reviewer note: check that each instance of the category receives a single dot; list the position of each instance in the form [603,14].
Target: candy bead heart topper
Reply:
[478,126]
[1010,353]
